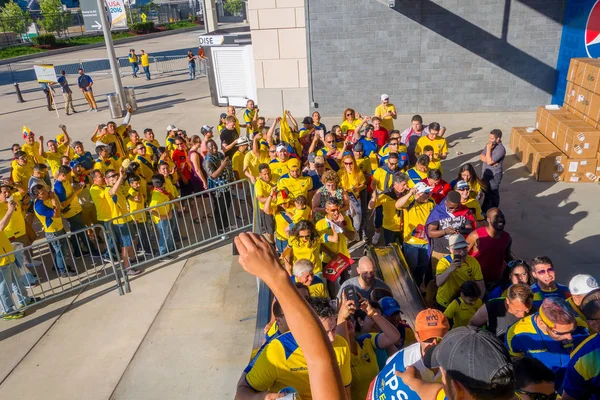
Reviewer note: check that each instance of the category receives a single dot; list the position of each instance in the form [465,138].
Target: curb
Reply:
[101,44]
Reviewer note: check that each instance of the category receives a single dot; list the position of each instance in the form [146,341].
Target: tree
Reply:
[53,17]
[233,7]
[14,19]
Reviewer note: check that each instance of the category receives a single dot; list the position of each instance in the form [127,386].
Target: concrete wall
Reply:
[279,43]
[433,56]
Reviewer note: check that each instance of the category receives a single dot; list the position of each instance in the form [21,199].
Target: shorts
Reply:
[378,217]
[268,222]
[280,245]
[123,232]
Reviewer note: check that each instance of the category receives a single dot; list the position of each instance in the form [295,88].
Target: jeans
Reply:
[378,217]
[78,241]
[135,68]
[165,237]
[147,72]
[392,236]
[27,277]
[110,243]
[144,241]
[10,282]
[492,195]
[417,259]
[280,245]
[60,249]
[175,227]
[192,68]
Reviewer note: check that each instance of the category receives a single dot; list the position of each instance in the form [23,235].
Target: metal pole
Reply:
[19,95]
[112,58]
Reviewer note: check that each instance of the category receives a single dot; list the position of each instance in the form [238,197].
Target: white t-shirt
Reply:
[411,355]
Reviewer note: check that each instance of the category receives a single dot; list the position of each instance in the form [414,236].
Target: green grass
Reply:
[81,40]
[180,25]
[10,52]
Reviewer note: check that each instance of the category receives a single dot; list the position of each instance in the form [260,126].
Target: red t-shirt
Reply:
[381,136]
[440,191]
[180,159]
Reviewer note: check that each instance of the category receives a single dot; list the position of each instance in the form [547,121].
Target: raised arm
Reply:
[402,201]
[293,120]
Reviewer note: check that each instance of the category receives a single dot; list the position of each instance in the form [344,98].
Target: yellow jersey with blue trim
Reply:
[341,247]
[118,206]
[540,294]
[278,168]
[248,118]
[364,365]
[310,251]
[415,176]
[525,338]
[317,287]
[105,164]
[469,270]
[582,380]
[103,210]
[44,211]
[575,308]
[281,364]
[63,191]
[296,186]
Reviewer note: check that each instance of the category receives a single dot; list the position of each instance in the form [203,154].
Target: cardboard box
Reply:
[585,103]
[580,177]
[585,72]
[571,135]
[516,137]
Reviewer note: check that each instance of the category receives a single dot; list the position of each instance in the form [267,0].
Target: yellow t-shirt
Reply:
[364,365]
[415,216]
[278,168]
[116,139]
[170,144]
[281,364]
[22,173]
[301,214]
[350,182]
[341,246]
[159,198]
[16,224]
[146,169]
[392,217]
[386,122]
[5,247]
[461,312]
[248,117]
[350,126]
[307,251]
[283,220]
[262,189]
[105,165]
[470,270]
[383,178]
[251,162]
[295,186]
[169,187]
[103,210]
[415,176]
[237,164]
[136,199]
[145,61]
[74,207]
[118,206]
[150,147]
[53,161]
[33,151]
[365,165]
[435,164]
[440,147]
[385,150]
[44,211]
[475,208]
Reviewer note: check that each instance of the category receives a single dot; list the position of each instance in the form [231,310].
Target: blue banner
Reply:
[580,38]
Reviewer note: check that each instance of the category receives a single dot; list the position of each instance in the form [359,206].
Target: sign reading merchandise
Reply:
[45,73]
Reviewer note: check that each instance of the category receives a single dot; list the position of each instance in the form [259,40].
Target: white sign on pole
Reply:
[118,16]
[45,73]
[211,40]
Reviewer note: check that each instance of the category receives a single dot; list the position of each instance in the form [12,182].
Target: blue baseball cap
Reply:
[389,306]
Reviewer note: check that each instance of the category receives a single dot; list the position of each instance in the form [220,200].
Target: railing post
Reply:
[19,95]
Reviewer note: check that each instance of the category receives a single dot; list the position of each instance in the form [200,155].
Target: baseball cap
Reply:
[457,242]
[358,146]
[171,128]
[293,164]
[307,121]
[126,163]
[279,148]
[206,128]
[243,141]
[311,157]
[389,306]
[223,115]
[422,187]
[319,160]
[384,97]
[460,185]
[582,284]
[431,323]
[470,353]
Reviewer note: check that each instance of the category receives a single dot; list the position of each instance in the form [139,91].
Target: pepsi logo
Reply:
[592,32]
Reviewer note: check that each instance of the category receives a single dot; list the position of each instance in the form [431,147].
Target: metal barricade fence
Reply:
[183,224]
[58,266]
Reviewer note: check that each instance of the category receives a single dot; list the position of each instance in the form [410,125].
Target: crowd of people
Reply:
[319,190]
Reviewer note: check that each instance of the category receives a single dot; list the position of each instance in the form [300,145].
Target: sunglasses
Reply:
[393,143]
[462,189]
[538,396]
[348,163]
[304,236]
[349,115]
[392,164]
[272,151]
[514,263]
[545,271]
[141,148]
[319,165]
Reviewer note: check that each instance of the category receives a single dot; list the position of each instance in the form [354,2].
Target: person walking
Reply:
[133,61]
[85,83]
[47,89]
[192,64]
[66,92]
[145,64]
[491,158]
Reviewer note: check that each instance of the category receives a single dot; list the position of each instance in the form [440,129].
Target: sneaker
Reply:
[169,257]
[133,272]
[34,264]
[74,112]
[376,237]
[31,285]
[16,315]
[67,274]
[95,110]
[90,110]
[106,260]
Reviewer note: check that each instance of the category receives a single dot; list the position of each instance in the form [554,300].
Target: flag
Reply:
[26,132]
[285,132]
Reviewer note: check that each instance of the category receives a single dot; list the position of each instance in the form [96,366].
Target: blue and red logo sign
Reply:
[592,32]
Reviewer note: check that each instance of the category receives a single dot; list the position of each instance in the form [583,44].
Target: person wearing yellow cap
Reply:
[293,181]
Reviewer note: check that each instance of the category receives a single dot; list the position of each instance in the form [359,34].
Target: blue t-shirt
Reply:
[389,386]
[369,145]
[539,295]
[582,380]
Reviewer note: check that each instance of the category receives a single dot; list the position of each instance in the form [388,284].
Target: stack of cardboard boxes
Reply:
[565,143]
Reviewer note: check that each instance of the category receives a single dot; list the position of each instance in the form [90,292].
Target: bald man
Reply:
[490,245]
[366,281]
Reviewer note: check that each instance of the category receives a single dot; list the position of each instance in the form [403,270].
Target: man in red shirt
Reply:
[441,188]
[380,134]
[490,245]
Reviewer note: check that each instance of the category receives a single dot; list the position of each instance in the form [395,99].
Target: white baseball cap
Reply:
[422,187]
[384,97]
[582,284]
[243,141]
[280,147]
[457,242]
[171,128]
